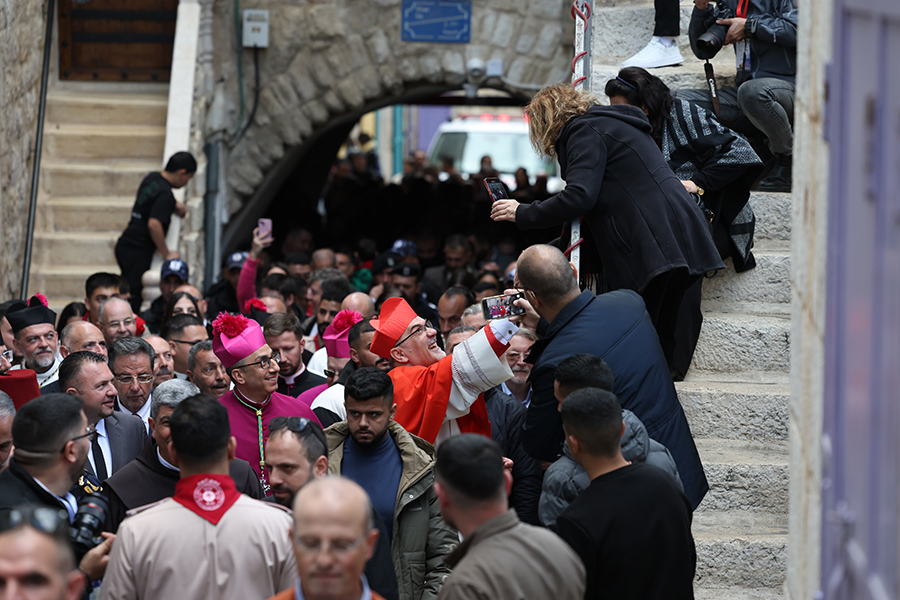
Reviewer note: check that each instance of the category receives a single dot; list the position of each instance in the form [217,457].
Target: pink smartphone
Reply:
[264,227]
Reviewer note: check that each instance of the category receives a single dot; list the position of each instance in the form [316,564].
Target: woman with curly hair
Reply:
[641,228]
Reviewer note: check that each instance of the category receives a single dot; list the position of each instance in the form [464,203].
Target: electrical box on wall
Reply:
[256,28]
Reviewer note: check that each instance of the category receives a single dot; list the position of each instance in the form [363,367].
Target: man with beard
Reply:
[165,362]
[81,336]
[253,367]
[376,452]
[152,475]
[34,337]
[284,334]
[205,370]
[120,436]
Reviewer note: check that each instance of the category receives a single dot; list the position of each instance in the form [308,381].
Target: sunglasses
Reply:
[52,521]
[299,425]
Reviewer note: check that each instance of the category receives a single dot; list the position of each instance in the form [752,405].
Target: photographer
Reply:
[764,35]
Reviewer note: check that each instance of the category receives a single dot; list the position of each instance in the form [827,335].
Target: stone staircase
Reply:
[99,142]
[737,391]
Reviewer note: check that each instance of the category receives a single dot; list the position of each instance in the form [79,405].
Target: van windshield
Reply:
[508,151]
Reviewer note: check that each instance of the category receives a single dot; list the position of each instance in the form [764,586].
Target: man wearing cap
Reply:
[34,336]
[253,367]
[174,272]
[328,404]
[439,395]
[222,296]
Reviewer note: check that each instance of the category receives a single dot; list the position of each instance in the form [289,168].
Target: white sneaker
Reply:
[655,54]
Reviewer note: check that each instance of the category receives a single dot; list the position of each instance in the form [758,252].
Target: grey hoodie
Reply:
[565,478]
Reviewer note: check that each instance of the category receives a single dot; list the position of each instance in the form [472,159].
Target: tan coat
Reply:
[167,551]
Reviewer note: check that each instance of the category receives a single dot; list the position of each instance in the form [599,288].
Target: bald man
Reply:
[616,327]
[273,304]
[334,537]
[359,302]
[117,320]
[81,336]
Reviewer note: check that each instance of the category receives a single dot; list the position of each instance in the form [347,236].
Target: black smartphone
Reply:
[501,307]
[495,188]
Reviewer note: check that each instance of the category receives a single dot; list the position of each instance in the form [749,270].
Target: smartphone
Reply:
[501,307]
[265,227]
[495,188]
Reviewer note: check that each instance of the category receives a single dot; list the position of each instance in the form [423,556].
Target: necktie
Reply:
[99,463]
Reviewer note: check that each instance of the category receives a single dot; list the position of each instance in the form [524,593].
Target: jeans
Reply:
[765,104]
[668,15]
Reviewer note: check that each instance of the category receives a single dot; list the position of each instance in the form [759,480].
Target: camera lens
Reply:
[709,43]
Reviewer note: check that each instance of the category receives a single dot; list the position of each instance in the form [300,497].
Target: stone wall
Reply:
[22,25]
[808,251]
[340,58]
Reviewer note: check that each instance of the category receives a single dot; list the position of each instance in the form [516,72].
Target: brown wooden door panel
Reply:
[116,40]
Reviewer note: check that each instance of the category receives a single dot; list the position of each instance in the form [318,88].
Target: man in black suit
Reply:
[153,475]
[52,439]
[632,525]
[616,327]
[120,436]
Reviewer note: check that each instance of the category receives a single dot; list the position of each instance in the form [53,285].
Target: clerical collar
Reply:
[291,378]
[166,463]
[250,403]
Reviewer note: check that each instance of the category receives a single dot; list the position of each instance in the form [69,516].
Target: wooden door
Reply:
[116,40]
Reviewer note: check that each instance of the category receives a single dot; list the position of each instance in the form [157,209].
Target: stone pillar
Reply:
[22,26]
[808,255]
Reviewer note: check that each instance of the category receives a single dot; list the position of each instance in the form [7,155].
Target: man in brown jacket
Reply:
[499,557]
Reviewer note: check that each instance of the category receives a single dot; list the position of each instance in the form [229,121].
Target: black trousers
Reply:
[133,262]
[668,16]
[663,297]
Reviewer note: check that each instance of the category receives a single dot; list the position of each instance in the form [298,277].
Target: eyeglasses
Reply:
[263,362]
[116,324]
[188,342]
[336,547]
[416,330]
[126,379]
[52,521]
[330,373]
[92,434]
[7,354]
[300,425]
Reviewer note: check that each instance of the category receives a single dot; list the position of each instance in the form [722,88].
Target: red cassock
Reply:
[448,394]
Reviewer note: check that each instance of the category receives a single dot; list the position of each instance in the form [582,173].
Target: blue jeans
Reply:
[766,104]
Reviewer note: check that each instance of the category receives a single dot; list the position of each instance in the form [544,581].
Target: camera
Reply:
[709,43]
[84,532]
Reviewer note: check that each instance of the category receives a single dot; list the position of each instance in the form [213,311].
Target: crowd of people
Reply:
[350,420]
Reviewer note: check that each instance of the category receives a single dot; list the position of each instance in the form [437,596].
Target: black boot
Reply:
[779,178]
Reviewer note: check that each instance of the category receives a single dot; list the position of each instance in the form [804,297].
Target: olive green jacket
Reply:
[421,538]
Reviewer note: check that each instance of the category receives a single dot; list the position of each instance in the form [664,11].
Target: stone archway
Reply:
[332,62]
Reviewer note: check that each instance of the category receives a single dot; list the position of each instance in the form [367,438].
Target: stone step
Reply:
[745,548]
[737,593]
[625,28]
[66,283]
[110,108]
[742,411]
[94,178]
[745,475]
[773,220]
[96,141]
[55,249]
[765,289]
[79,213]
[735,342]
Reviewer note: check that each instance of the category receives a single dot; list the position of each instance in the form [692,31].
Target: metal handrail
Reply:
[38,147]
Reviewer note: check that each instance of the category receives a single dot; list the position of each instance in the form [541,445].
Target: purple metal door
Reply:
[861,466]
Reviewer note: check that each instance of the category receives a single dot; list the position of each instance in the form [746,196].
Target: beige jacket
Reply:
[167,551]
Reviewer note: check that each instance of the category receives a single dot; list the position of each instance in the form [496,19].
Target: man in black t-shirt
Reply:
[632,525]
[150,218]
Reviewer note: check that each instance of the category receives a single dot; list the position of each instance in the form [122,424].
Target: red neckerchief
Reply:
[209,496]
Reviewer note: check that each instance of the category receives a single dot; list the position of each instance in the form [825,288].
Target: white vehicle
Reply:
[468,139]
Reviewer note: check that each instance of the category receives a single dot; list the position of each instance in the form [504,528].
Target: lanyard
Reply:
[259,425]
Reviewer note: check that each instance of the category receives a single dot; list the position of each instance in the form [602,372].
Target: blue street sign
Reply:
[447,21]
